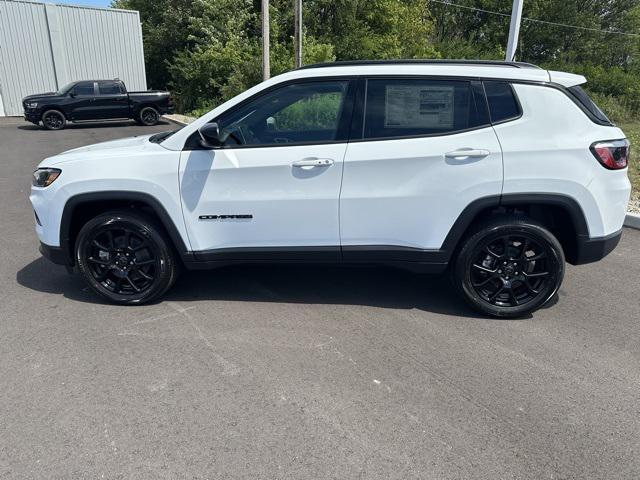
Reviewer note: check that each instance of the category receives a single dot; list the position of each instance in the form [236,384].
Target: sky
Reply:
[91,3]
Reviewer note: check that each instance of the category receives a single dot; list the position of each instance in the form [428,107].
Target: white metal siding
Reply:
[43,47]
[102,44]
[26,64]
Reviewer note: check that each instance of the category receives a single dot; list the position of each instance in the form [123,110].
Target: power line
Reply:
[535,20]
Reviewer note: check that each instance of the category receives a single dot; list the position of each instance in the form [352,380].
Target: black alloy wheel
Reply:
[149,116]
[510,269]
[125,257]
[53,120]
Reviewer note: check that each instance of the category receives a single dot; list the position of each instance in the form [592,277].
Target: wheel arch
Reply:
[57,108]
[80,208]
[561,214]
[146,103]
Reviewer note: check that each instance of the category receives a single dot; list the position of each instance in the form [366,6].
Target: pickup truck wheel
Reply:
[148,116]
[126,257]
[509,267]
[53,120]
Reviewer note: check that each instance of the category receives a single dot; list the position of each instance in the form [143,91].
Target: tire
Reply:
[148,116]
[509,267]
[126,257]
[53,120]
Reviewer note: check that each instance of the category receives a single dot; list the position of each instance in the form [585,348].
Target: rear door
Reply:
[424,150]
[112,100]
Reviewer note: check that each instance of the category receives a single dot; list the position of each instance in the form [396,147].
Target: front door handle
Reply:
[467,153]
[312,162]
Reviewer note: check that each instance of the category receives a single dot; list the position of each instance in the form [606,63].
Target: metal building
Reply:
[43,46]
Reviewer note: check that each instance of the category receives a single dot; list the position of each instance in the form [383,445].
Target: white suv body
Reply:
[359,162]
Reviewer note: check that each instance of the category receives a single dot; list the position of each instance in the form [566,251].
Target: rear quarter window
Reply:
[503,104]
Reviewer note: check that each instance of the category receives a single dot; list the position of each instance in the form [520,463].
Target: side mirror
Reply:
[210,135]
[72,95]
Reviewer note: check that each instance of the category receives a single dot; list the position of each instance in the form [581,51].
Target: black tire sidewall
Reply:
[468,252]
[141,120]
[143,226]
[53,111]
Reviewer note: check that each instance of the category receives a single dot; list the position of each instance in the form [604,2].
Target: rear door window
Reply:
[502,102]
[109,88]
[416,107]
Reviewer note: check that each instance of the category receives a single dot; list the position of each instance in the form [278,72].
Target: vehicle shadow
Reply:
[380,287]
[80,126]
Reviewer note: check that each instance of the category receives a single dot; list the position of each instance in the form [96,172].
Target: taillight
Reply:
[612,154]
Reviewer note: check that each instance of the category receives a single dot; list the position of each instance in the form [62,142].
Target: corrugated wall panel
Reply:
[26,63]
[44,47]
[109,47]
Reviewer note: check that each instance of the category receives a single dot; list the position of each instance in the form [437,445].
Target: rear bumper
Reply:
[593,249]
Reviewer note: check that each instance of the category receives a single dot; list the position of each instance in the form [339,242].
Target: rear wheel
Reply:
[148,116]
[509,267]
[53,120]
[126,257]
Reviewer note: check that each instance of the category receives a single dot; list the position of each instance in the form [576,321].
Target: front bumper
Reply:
[591,250]
[32,116]
[57,255]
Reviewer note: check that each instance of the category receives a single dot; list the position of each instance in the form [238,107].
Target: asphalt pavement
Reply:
[304,372]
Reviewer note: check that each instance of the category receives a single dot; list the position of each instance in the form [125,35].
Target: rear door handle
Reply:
[312,162]
[468,152]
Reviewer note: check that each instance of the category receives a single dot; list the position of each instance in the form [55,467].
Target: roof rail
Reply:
[432,61]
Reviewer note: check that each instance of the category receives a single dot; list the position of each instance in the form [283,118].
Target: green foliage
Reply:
[207,51]
[319,112]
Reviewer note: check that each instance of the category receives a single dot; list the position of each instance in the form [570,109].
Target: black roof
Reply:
[436,61]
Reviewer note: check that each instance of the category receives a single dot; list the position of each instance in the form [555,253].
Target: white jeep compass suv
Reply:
[496,171]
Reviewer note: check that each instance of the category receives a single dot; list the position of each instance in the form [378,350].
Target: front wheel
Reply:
[126,257]
[53,120]
[148,116]
[509,267]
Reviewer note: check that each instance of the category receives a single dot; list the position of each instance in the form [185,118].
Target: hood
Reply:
[38,95]
[113,148]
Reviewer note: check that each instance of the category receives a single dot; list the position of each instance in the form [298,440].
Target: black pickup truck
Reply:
[95,100]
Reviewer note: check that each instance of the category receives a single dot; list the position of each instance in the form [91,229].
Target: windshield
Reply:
[65,89]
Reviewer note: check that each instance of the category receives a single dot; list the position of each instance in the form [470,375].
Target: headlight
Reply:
[43,177]
[32,105]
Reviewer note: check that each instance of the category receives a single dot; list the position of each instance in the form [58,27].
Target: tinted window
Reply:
[297,113]
[83,88]
[397,107]
[582,97]
[502,102]
[109,88]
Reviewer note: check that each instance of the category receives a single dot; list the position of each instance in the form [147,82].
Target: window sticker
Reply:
[419,106]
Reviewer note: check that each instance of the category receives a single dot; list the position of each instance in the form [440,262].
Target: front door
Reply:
[81,101]
[427,150]
[271,191]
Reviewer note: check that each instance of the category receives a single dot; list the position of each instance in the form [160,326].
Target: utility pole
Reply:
[514,30]
[297,32]
[266,69]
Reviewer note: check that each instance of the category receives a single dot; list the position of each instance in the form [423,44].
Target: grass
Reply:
[632,131]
